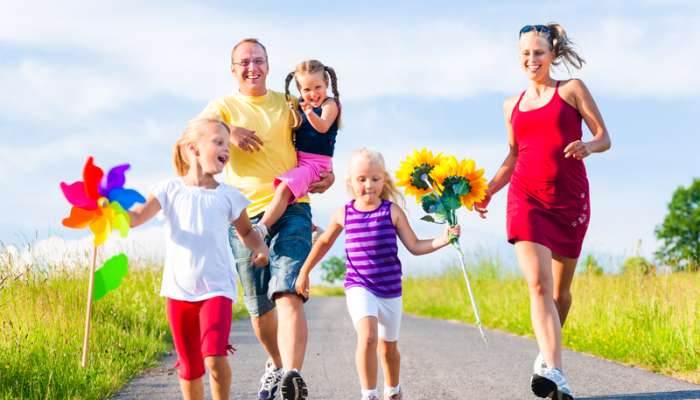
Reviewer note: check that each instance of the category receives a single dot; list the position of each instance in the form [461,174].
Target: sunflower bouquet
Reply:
[442,185]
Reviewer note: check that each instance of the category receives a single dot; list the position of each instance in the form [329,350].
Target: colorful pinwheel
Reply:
[100,201]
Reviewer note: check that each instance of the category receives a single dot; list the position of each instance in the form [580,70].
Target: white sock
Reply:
[389,391]
[369,392]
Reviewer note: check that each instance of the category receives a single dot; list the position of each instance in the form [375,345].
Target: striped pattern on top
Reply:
[371,251]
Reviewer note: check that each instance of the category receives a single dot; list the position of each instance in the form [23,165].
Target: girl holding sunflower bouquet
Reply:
[372,220]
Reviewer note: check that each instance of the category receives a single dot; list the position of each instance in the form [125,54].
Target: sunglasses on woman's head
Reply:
[536,28]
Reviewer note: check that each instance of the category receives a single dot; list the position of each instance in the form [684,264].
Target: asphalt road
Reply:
[440,360]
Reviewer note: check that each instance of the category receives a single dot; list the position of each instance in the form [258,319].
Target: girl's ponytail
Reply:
[296,118]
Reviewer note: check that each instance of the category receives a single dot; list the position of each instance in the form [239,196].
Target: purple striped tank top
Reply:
[370,247]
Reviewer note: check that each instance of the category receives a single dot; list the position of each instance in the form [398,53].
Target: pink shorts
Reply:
[200,329]
[309,167]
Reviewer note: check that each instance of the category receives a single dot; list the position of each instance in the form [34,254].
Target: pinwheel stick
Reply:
[455,244]
[88,312]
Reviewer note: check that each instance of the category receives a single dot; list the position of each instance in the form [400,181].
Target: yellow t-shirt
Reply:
[254,173]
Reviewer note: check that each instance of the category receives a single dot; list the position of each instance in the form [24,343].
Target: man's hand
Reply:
[245,139]
[327,179]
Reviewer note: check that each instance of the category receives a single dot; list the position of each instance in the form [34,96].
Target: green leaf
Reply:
[461,188]
[429,203]
[437,219]
[451,202]
[110,276]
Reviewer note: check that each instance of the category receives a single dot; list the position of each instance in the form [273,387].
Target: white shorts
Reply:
[362,303]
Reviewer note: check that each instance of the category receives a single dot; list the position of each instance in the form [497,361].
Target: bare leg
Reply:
[265,328]
[391,362]
[563,270]
[277,206]
[292,332]
[535,261]
[219,377]
[192,390]
[366,352]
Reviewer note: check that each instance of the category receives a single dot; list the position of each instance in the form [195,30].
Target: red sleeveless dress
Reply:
[548,200]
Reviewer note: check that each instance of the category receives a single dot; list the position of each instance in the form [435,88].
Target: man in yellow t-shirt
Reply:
[262,149]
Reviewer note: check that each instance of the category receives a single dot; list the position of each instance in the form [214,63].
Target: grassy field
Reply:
[42,323]
[648,321]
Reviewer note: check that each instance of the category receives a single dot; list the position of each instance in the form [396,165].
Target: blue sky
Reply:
[118,80]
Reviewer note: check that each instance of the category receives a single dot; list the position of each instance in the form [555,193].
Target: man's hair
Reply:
[248,40]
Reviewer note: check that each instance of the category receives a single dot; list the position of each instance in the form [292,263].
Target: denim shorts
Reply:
[289,240]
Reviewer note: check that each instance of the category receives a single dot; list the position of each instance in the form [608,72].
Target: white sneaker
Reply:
[269,381]
[539,364]
[550,382]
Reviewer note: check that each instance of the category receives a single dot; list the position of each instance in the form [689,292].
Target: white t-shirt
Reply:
[198,260]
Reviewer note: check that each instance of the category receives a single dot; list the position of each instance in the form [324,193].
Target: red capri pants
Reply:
[200,329]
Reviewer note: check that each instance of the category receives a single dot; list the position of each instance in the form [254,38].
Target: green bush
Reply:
[638,265]
[591,266]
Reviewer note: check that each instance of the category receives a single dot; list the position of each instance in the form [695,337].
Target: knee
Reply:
[217,366]
[367,340]
[540,288]
[389,350]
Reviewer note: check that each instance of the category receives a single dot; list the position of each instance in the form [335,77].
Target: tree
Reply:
[333,269]
[680,230]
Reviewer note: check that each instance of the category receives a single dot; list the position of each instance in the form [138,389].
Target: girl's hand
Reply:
[306,107]
[480,207]
[302,285]
[261,256]
[451,232]
[577,149]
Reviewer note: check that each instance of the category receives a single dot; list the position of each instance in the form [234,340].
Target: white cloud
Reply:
[139,50]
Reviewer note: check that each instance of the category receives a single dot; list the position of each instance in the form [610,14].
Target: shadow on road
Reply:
[680,395]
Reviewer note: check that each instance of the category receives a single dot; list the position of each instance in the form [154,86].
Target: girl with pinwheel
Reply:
[372,220]
[198,278]
[548,198]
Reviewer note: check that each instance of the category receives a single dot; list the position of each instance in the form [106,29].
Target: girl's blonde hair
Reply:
[313,67]
[561,45]
[389,191]
[194,130]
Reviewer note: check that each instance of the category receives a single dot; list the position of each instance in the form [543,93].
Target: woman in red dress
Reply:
[548,198]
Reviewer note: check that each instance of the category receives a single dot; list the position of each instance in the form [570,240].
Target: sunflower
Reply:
[413,168]
[462,179]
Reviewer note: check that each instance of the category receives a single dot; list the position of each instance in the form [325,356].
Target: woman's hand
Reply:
[261,256]
[245,139]
[577,149]
[302,285]
[480,207]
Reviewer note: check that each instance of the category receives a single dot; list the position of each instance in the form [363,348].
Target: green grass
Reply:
[42,323]
[322,290]
[651,322]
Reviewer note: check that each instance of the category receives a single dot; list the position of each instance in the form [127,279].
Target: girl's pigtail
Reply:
[334,89]
[296,118]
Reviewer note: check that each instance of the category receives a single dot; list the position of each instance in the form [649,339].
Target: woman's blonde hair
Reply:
[389,191]
[194,130]
[560,44]
[313,67]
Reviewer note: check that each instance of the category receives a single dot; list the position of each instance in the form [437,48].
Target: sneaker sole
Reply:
[296,390]
[542,387]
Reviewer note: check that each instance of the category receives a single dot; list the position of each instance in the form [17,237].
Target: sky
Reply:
[119,81]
